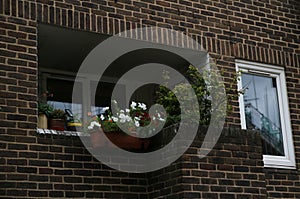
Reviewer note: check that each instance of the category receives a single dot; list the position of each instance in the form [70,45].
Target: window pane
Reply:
[62,95]
[103,95]
[262,111]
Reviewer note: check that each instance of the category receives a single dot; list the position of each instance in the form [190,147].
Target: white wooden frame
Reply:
[287,161]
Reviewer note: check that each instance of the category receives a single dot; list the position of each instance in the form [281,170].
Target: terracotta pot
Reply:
[126,141]
[119,139]
[57,124]
[42,121]
[97,139]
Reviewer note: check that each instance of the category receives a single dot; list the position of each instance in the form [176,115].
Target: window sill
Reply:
[55,132]
[278,162]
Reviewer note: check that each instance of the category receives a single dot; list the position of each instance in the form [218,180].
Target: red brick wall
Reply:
[264,31]
[233,169]
[59,166]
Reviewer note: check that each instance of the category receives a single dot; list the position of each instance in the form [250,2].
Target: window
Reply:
[60,85]
[264,107]
[61,52]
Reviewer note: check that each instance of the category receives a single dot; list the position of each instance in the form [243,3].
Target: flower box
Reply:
[126,141]
[118,139]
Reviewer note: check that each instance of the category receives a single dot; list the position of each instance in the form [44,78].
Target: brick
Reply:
[241,169]
[208,181]
[200,188]
[58,194]
[242,183]
[91,180]
[17,146]
[38,178]
[8,185]
[26,185]
[73,165]
[83,172]
[55,149]
[6,153]
[74,194]
[12,192]
[38,193]
[26,169]
[56,164]
[208,166]
[73,179]
[16,161]
[63,172]
[2,161]
[38,163]
[218,188]
[83,187]
[63,157]
[7,138]
[17,177]
[28,154]
[39,148]
[191,180]
[45,186]
[45,171]
[63,187]
[56,179]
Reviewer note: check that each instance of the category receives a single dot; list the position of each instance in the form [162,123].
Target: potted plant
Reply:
[207,86]
[136,121]
[73,121]
[93,128]
[167,98]
[44,111]
[57,120]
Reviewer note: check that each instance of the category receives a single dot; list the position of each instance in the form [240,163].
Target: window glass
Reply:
[262,111]
[102,97]
[264,107]
[61,95]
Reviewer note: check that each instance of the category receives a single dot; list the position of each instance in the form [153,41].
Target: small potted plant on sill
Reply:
[44,111]
[57,120]
[73,121]
[93,128]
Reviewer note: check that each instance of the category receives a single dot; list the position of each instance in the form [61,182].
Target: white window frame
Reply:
[287,161]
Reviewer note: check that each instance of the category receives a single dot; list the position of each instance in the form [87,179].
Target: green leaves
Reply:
[44,108]
[168,99]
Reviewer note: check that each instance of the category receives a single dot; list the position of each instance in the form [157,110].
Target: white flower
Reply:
[142,106]
[136,123]
[122,118]
[136,118]
[105,108]
[128,118]
[161,119]
[127,110]
[133,105]
[95,123]
[102,117]
[92,124]
[115,119]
